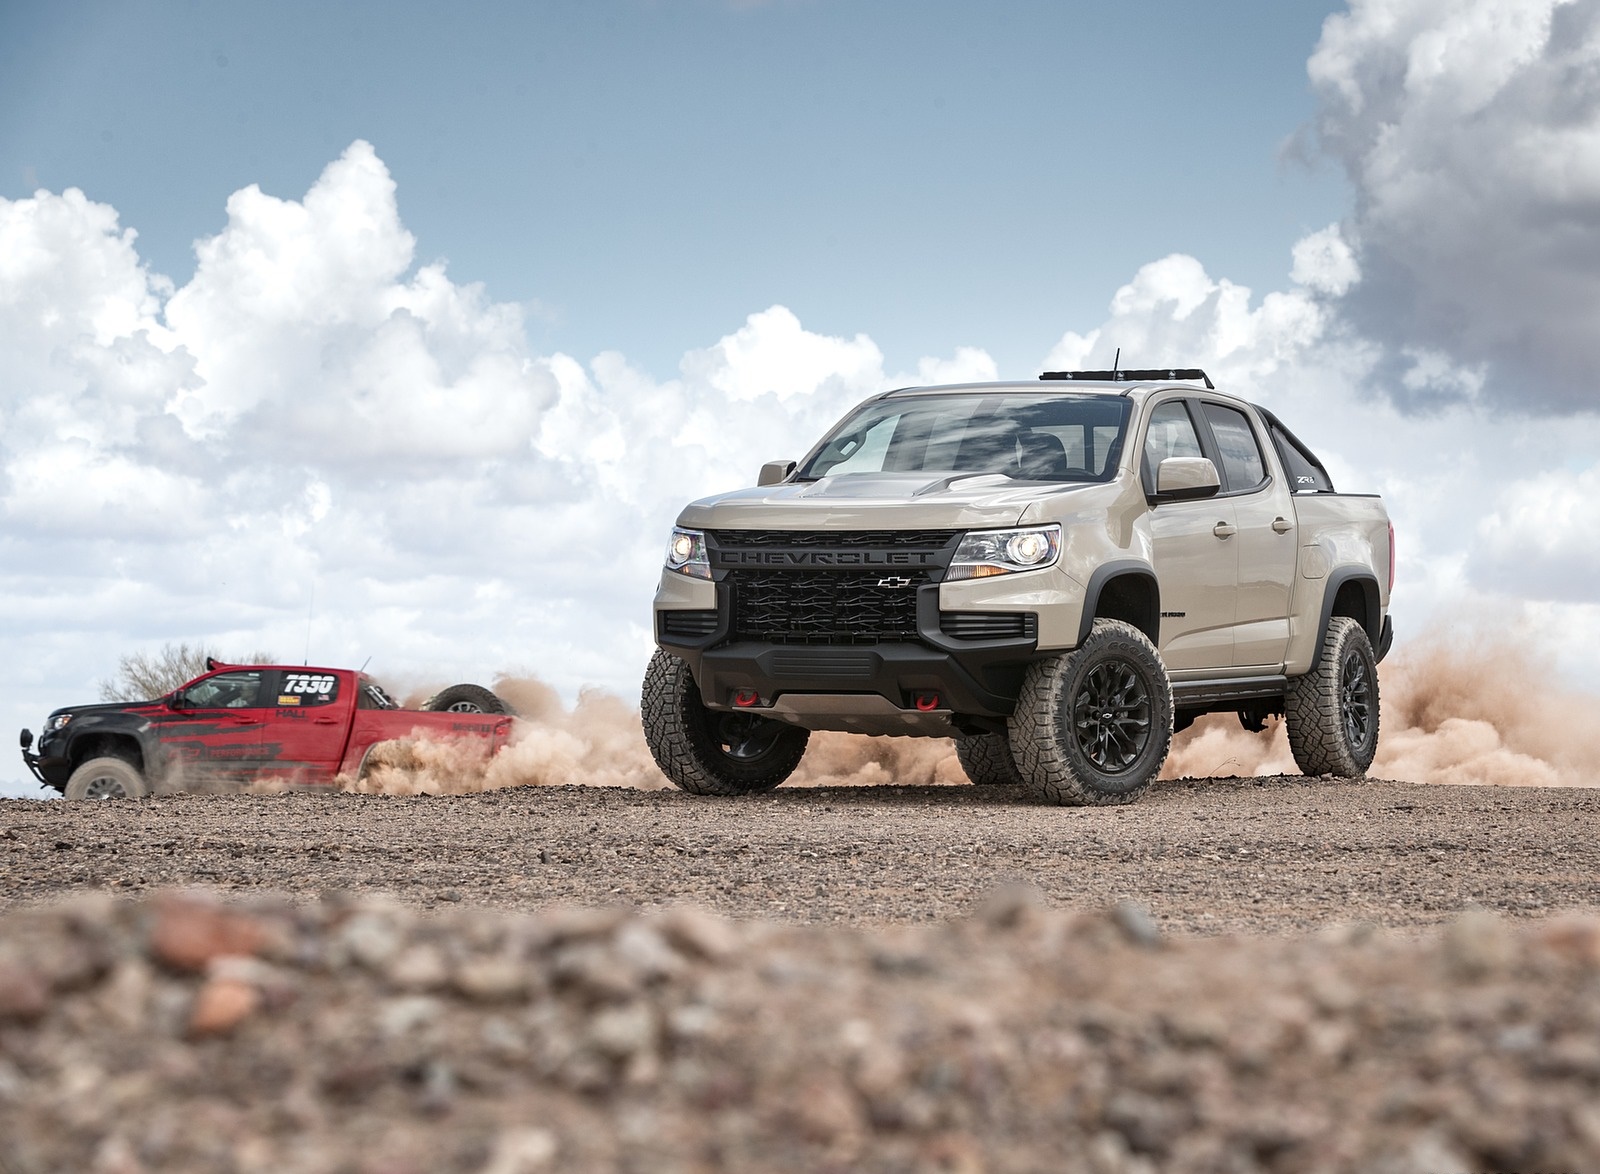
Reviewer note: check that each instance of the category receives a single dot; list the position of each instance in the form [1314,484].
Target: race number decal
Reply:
[308,689]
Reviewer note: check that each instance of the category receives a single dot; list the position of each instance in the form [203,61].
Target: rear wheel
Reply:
[465,699]
[711,752]
[1092,726]
[1332,711]
[107,778]
[987,760]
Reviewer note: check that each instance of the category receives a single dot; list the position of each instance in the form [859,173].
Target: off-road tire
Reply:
[708,752]
[465,699]
[987,760]
[1070,751]
[107,778]
[1332,712]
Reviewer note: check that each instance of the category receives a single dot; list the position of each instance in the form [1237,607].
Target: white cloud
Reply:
[311,434]
[1325,263]
[1471,131]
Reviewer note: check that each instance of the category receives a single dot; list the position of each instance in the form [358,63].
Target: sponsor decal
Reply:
[313,683]
[289,699]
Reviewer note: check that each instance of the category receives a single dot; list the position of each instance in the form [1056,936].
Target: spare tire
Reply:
[465,699]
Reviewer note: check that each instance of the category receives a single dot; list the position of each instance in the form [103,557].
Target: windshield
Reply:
[1028,437]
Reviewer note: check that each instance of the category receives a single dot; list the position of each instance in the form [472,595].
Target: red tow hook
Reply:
[745,698]
[927,702]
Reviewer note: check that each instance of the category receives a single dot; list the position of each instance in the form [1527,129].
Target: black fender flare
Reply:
[1335,582]
[106,738]
[1150,624]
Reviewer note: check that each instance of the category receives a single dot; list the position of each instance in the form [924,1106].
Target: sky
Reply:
[400,332]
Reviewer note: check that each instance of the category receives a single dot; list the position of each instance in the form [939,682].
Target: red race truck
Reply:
[237,723]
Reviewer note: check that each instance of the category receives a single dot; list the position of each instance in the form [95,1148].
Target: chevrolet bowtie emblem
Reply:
[894,581]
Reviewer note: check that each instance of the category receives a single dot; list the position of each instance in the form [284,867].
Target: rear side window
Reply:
[1306,474]
[308,690]
[1242,465]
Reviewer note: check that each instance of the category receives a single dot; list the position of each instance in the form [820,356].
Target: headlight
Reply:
[56,721]
[1002,552]
[686,553]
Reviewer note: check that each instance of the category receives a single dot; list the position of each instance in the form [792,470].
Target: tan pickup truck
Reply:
[1057,574]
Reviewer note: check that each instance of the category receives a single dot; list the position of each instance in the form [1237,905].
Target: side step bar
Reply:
[1221,694]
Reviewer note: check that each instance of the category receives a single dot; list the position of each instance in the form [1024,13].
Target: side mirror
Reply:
[775,472]
[178,700]
[1186,479]
[27,740]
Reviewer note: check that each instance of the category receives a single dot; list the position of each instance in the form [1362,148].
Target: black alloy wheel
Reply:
[746,737]
[1355,701]
[1111,717]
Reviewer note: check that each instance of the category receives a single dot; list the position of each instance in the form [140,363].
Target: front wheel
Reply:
[107,778]
[1332,711]
[710,752]
[1092,726]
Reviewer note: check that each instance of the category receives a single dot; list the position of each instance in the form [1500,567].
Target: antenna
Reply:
[310,611]
[1117,362]
[364,665]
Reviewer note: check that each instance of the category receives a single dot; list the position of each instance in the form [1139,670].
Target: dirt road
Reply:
[1270,855]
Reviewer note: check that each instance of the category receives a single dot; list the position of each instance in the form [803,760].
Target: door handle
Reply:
[1282,525]
[325,721]
[1223,530]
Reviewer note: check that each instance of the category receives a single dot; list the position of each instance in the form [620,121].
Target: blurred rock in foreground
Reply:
[178,1033]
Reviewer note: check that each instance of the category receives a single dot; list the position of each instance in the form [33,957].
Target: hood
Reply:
[105,709]
[878,501]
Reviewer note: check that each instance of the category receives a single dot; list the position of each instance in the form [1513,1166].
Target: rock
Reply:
[221,1005]
[698,933]
[622,1032]
[1011,906]
[190,931]
[372,940]
[1477,944]
[23,992]
[418,968]
[1136,924]
[640,947]
[1574,937]
[522,1150]
[493,979]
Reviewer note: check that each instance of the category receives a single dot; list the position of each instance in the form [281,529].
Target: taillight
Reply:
[1391,558]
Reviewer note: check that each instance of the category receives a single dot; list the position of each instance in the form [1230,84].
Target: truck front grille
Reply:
[823,607]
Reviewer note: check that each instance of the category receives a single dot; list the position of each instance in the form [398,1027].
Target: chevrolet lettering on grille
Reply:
[826,558]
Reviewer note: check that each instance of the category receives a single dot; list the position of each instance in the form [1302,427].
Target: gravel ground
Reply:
[1275,974]
[1204,856]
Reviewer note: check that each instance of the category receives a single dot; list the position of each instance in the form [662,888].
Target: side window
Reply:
[240,690]
[1242,465]
[308,689]
[1171,434]
[1305,475]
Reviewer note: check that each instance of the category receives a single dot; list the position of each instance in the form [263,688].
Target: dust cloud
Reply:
[1456,709]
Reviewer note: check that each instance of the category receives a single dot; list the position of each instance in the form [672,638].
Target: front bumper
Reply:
[960,678]
[49,769]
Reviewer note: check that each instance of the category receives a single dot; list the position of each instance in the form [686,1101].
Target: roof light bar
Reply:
[1133,376]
